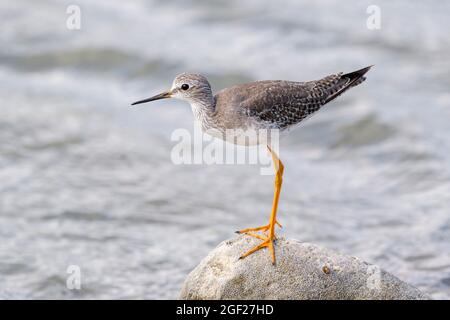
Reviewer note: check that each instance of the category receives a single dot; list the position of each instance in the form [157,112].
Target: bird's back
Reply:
[280,104]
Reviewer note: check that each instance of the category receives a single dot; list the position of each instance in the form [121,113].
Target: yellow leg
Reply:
[270,227]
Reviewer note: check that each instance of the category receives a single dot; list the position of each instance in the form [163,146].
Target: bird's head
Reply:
[190,87]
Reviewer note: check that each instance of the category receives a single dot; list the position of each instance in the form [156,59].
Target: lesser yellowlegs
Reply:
[261,105]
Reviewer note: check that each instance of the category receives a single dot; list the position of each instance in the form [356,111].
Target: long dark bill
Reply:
[163,95]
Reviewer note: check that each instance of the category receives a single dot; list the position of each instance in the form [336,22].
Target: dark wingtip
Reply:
[356,77]
[360,72]
[366,69]
[352,79]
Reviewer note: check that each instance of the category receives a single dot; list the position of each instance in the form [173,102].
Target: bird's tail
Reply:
[348,81]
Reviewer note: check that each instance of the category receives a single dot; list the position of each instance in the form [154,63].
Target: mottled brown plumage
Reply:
[281,104]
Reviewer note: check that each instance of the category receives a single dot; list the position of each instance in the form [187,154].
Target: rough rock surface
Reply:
[303,271]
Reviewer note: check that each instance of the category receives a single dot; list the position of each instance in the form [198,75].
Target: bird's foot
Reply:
[267,239]
[267,243]
[250,231]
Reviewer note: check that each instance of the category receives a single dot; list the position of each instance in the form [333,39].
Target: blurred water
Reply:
[88,181]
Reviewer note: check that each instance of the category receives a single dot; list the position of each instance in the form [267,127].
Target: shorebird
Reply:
[260,105]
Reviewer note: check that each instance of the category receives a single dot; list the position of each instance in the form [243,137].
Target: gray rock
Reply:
[302,271]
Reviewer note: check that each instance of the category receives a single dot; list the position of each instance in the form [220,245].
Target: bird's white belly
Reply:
[247,137]
[252,134]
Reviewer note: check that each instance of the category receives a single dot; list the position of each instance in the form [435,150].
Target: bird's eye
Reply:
[185,86]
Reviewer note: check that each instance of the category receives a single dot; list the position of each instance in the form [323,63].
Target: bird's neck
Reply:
[204,109]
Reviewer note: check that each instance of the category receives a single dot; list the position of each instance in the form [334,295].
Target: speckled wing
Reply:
[281,104]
